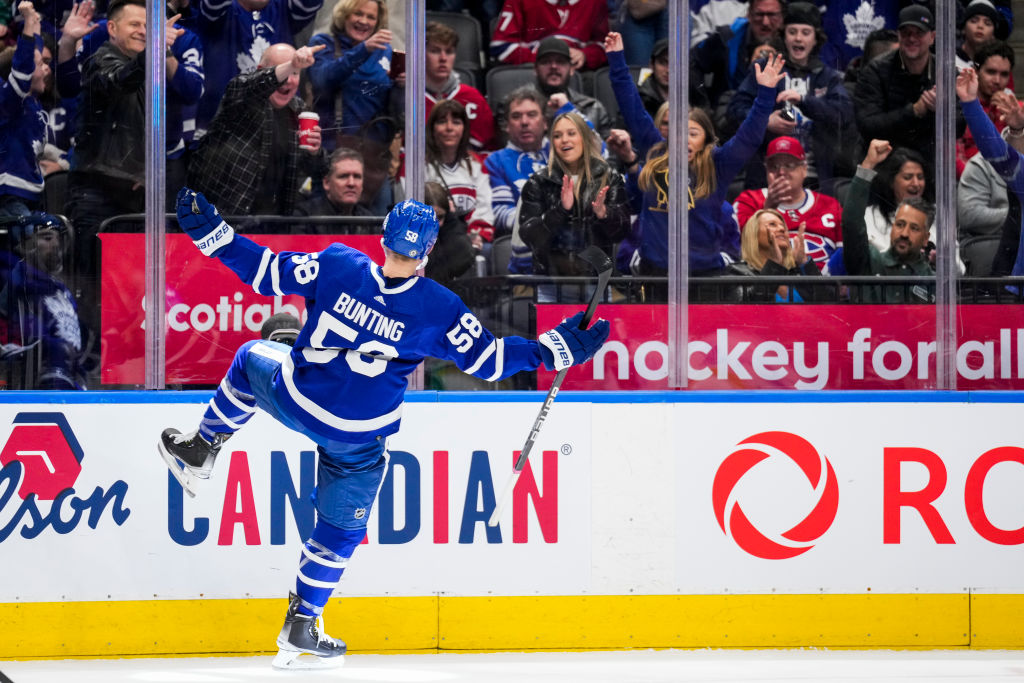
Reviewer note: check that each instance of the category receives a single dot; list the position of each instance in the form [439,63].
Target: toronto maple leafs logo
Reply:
[862,23]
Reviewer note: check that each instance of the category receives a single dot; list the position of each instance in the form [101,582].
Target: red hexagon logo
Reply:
[48,452]
[735,523]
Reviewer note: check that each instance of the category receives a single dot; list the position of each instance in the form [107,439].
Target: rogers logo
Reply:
[735,523]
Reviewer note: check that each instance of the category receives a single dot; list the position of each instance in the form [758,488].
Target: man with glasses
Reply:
[895,96]
[722,60]
[786,168]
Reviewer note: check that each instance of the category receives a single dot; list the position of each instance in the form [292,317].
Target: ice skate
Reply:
[190,457]
[304,634]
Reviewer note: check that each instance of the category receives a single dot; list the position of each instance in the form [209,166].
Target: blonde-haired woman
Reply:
[350,81]
[714,239]
[577,201]
[767,250]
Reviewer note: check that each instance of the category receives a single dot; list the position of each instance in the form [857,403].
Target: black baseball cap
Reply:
[552,45]
[917,16]
[660,48]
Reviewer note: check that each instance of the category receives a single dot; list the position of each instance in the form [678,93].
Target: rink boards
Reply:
[652,519]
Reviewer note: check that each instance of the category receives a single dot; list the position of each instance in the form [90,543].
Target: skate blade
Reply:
[292,660]
[180,472]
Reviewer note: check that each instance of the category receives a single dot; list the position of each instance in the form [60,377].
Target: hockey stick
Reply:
[602,265]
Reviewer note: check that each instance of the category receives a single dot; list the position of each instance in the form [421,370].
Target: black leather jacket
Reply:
[111,126]
[556,235]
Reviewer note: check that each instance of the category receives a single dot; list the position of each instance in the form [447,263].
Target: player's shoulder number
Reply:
[307,267]
[465,332]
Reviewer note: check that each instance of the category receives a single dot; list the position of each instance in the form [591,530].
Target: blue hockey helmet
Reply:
[23,227]
[410,229]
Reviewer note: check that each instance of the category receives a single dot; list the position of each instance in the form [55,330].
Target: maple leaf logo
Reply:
[861,23]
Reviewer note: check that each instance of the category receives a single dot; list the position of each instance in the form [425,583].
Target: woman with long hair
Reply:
[714,236]
[452,164]
[577,201]
[904,174]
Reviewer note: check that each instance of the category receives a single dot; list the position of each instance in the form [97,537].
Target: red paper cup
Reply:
[308,120]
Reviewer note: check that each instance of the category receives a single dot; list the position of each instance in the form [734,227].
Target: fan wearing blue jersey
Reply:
[343,382]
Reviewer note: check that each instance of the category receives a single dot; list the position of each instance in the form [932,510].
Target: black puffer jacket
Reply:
[556,235]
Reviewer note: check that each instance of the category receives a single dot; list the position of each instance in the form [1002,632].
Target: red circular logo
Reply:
[735,523]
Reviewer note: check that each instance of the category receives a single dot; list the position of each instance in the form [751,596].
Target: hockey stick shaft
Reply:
[603,265]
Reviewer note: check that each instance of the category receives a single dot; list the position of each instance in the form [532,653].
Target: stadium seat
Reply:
[468,53]
[977,253]
[501,252]
[503,79]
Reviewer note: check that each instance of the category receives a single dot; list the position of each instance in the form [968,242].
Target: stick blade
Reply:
[598,260]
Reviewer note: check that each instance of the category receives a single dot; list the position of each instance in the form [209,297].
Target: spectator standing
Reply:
[108,160]
[895,95]
[442,83]
[238,32]
[22,127]
[816,216]
[902,174]
[523,25]
[643,24]
[714,235]
[352,89]
[525,153]
[343,189]
[576,202]
[812,104]
[452,164]
[908,235]
[250,160]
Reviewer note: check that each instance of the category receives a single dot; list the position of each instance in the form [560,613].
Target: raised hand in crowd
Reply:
[1011,111]
[379,40]
[621,145]
[556,102]
[33,22]
[771,73]
[302,59]
[800,245]
[613,42]
[878,151]
[78,25]
[967,85]
[171,32]
[577,59]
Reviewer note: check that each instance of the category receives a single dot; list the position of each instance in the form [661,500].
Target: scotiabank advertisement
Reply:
[210,313]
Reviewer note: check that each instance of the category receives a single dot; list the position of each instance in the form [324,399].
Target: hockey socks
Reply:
[231,407]
[324,558]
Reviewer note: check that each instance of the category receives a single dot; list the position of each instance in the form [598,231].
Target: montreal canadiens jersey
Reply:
[822,214]
[345,377]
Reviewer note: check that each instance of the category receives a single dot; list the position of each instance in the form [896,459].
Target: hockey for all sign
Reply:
[802,347]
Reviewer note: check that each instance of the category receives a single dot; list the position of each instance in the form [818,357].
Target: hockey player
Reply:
[343,383]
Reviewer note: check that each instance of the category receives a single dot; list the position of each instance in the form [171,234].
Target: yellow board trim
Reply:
[443,623]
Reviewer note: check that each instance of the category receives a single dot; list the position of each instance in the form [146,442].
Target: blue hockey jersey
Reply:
[345,378]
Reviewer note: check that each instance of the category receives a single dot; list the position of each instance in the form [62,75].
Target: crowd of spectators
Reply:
[790,109]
